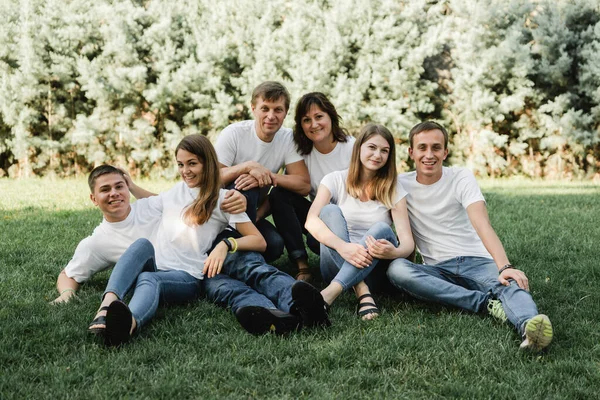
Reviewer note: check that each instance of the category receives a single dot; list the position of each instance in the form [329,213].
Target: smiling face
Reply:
[111,195]
[316,125]
[190,168]
[268,117]
[374,153]
[428,152]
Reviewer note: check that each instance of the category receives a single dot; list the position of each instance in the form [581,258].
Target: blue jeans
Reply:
[464,282]
[289,211]
[252,282]
[137,267]
[333,266]
[274,241]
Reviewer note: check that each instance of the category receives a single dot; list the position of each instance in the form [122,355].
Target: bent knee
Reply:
[400,270]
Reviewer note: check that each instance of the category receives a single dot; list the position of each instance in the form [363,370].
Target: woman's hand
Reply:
[355,254]
[381,248]
[215,260]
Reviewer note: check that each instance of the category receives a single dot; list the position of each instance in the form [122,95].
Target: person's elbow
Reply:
[261,244]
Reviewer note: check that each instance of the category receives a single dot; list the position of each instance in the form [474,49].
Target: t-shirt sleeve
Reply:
[467,189]
[86,261]
[291,152]
[400,191]
[226,147]
[332,182]
[149,208]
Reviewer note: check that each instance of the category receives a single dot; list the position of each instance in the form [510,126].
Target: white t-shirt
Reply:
[109,240]
[359,215]
[239,143]
[182,247]
[320,164]
[438,215]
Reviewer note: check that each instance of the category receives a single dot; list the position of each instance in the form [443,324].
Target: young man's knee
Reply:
[400,271]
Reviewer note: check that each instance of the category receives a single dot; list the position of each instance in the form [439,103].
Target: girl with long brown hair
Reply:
[355,229]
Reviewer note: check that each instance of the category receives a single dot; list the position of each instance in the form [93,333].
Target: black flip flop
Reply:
[118,324]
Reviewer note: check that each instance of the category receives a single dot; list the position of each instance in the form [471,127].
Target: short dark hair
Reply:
[304,104]
[99,171]
[427,126]
[271,91]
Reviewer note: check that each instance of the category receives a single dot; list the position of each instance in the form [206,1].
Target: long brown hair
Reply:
[304,144]
[383,185]
[202,207]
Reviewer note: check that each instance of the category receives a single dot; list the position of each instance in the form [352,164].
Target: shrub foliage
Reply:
[516,82]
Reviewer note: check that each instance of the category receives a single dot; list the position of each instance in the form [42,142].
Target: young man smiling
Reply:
[465,264]
[252,152]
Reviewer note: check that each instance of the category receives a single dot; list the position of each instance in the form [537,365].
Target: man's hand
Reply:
[234,202]
[215,260]
[381,248]
[516,275]
[246,182]
[262,175]
[355,254]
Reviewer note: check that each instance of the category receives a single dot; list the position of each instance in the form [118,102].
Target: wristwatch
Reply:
[507,266]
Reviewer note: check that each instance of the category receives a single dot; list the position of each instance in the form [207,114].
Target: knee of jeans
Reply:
[399,271]
[330,214]
[276,195]
[382,230]
[142,244]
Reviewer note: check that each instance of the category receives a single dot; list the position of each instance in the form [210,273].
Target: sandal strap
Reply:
[369,311]
[364,296]
[361,305]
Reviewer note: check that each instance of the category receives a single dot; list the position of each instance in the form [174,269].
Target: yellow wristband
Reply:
[234,244]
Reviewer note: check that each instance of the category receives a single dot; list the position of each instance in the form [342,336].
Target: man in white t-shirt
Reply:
[251,153]
[465,264]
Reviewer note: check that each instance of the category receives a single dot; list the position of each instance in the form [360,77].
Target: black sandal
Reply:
[118,324]
[372,310]
[100,320]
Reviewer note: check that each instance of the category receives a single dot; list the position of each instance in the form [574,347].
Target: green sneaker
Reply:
[538,333]
[496,310]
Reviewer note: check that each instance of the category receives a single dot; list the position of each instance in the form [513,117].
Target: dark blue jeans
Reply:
[252,282]
[274,241]
[289,211]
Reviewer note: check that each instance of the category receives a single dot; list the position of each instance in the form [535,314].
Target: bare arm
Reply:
[67,288]
[480,220]
[354,253]
[385,250]
[296,178]
[251,240]
[135,190]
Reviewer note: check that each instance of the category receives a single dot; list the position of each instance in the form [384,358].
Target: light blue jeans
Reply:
[136,271]
[333,266]
[464,282]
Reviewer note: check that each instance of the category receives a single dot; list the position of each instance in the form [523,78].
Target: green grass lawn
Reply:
[414,350]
